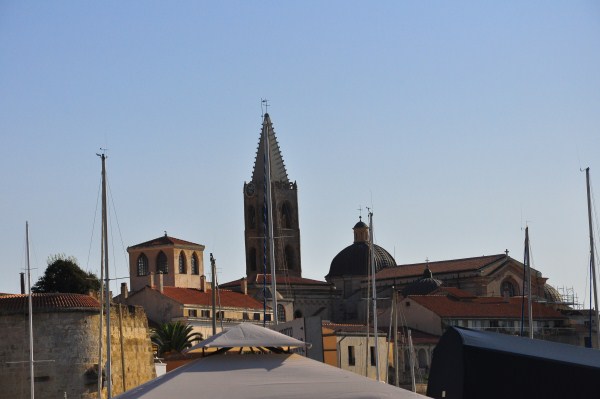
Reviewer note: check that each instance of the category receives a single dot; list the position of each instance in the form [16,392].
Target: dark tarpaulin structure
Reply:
[470,364]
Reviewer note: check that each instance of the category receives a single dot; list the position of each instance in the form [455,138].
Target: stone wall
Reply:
[66,352]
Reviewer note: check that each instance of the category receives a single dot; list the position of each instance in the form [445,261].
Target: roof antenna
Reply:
[265,102]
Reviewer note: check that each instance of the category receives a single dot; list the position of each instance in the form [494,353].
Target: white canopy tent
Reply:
[261,376]
[248,335]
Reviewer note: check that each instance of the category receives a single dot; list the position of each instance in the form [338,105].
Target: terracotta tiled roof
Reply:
[259,278]
[452,291]
[164,240]
[446,266]
[229,299]
[19,303]
[482,307]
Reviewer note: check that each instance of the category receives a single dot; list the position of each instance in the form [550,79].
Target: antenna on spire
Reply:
[264,102]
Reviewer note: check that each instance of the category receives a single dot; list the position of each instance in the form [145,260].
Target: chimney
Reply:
[151,280]
[203,283]
[124,292]
[22,283]
[244,286]
[160,282]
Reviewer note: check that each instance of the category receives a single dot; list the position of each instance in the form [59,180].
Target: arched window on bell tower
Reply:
[290,257]
[286,215]
[182,263]
[252,259]
[162,265]
[142,265]
[195,269]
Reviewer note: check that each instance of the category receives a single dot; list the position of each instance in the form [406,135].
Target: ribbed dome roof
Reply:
[422,286]
[354,260]
[551,294]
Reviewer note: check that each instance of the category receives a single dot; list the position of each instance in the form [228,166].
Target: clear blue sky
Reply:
[456,121]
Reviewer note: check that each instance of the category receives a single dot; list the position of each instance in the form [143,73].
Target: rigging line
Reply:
[124,250]
[87,263]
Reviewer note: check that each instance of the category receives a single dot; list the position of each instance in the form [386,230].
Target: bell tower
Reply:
[284,199]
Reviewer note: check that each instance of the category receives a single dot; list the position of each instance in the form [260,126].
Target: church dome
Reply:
[422,286]
[354,259]
[551,294]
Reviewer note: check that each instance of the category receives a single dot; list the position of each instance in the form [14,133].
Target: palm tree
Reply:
[174,337]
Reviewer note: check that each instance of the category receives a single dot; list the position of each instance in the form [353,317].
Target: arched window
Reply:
[422,355]
[290,258]
[251,217]
[507,288]
[182,263]
[280,313]
[195,269]
[142,265]
[286,215]
[252,259]
[161,263]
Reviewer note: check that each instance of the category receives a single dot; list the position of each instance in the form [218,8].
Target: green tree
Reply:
[174,336]
[64,275]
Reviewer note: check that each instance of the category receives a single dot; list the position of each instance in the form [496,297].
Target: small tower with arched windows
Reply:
[180,262]
[284,194]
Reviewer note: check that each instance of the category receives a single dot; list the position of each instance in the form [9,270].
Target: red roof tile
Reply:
[228,299]
[165,240]
[19,302]
[482,307]
[452,291]
[259,278]
[446,266]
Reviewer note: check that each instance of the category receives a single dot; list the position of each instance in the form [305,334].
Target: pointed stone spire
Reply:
[278,172]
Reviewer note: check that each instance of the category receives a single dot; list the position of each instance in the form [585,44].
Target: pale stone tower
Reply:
[286,229]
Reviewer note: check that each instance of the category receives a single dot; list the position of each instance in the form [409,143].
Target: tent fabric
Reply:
[263,376]
[248,335]
[470,364]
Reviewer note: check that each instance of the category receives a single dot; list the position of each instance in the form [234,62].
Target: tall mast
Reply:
[107,280]
[269,217]
[374,293]
[592,260]
[30,304]
[213,269]
[526,288]
[101,316]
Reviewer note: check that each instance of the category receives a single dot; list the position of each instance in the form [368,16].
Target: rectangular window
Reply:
[192,313]
[351,357]
[205,313]
[256,316]
[372,353]
[245,316]
[220,315]
[268,317]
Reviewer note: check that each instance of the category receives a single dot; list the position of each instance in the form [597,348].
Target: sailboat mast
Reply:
[269,216]
[107,280]
[101,316]
[529,305]
[592,259]
[30,304]
[374,294]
